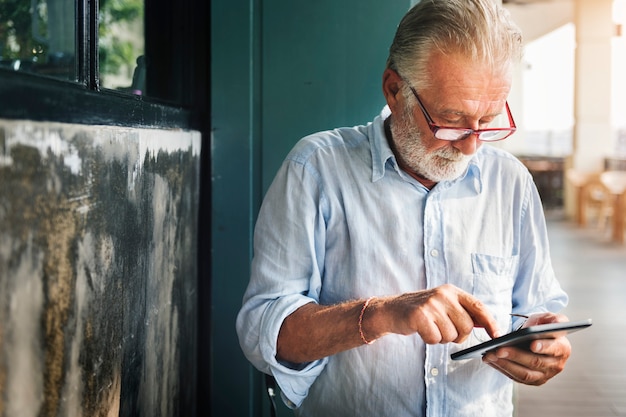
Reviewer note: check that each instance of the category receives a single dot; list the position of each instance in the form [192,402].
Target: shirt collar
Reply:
[472,178]
[381,153]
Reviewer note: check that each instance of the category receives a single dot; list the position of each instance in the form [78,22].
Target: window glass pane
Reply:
[38,36]
[121,45]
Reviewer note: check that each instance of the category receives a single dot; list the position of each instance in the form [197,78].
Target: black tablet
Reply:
[522,337]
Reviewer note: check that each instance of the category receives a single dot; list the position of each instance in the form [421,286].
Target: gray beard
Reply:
[442,164]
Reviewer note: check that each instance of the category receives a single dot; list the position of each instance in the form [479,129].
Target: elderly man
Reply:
[408,232]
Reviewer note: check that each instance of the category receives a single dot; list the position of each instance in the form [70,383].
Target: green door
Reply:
[280,70]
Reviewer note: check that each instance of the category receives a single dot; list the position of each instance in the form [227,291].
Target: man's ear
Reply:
[391,88]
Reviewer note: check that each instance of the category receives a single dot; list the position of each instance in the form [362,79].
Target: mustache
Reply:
[452,154]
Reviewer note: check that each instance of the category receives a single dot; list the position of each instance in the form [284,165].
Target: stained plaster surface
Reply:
[98,275]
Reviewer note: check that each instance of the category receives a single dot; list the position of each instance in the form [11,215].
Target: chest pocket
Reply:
[494,277]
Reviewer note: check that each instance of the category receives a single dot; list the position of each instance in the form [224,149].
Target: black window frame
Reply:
[177,46]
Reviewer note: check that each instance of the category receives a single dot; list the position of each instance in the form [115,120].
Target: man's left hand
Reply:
[545,359]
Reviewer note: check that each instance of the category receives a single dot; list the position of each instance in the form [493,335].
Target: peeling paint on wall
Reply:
[98,274]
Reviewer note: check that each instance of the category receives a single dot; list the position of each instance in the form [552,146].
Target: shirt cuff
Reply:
[294,380]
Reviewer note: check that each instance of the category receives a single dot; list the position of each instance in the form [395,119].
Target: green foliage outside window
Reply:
[23,30]
[40,36]
[120,33]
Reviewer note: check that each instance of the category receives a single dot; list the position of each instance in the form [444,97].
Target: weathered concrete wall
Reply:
[98,270]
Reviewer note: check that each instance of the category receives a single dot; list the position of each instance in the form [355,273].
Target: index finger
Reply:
[479,314]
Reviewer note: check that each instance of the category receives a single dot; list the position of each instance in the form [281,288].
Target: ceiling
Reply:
[539,17]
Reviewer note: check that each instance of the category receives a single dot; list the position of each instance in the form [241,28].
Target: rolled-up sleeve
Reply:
[258,325]
[286,274]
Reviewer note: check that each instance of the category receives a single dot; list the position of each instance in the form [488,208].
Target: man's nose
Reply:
[469,145]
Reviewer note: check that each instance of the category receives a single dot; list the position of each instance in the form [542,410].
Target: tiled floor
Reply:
[593,271]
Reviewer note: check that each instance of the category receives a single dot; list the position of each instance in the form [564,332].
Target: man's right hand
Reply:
[440,315]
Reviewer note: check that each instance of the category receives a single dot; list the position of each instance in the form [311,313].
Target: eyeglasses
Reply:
[523,316]
[455,133]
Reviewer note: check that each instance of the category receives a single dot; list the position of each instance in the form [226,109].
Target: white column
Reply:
[593,132]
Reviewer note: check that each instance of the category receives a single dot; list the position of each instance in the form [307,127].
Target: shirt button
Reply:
[434,253]
[434,372]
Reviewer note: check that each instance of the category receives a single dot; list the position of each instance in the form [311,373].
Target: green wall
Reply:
[280,70]
[322,68]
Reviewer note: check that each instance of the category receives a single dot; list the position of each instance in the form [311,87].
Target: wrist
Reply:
[365,339]
[370,324]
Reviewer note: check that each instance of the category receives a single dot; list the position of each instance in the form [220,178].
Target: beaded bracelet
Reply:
[367,302]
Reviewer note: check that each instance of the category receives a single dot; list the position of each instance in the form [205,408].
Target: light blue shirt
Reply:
[342,221]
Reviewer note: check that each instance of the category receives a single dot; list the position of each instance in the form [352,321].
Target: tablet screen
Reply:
[522,337]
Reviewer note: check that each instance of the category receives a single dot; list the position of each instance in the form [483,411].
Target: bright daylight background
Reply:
[548,90]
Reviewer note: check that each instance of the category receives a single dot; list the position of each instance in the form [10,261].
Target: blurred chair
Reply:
[615,183]
[591,196]
[549,176]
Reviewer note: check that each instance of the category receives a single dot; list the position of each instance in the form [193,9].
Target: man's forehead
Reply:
[455,79]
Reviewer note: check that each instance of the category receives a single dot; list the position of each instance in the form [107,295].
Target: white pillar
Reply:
[593,132]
